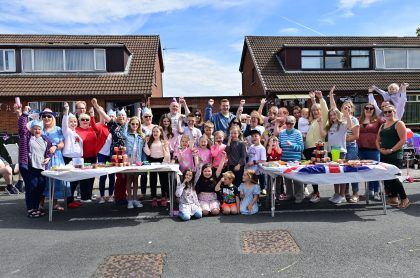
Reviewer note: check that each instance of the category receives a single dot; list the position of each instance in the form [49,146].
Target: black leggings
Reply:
[73,184]
[394,187]
[86,185]
[308,154]
[163,179]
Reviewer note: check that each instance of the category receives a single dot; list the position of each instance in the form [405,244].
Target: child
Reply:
[168,134]
[134,142]
[229,193]
[184,154]
[396,94]
[73,148]
[337,131]
[236,151]
[203,150]
[157,150]
[189,206]
[205,186]
[257,154]
[303,122]
[193,132]
[274,153]
[208,130]
[34,156]
[218,148]
[249,193]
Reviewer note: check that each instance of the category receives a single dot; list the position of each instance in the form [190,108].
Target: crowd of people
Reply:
[218,153]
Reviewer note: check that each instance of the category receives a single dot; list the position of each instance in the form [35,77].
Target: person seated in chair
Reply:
[7,171]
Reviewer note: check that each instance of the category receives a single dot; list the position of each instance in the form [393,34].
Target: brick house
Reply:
[285,69]
[46,70]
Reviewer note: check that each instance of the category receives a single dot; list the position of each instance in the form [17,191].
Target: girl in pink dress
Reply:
[217,148]
[203,150]
[184,154]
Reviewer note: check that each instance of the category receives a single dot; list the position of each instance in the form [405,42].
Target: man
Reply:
[174,113]
[80,107]
[220,119]
[296,113]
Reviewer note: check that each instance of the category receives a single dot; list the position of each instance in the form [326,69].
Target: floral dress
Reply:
[55,135]
[249,193]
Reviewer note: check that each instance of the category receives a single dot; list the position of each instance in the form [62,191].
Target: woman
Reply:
[351,145]
[369,127]
[199,120]
[55,135]
[390,140]
[319,115]
[88,135]
[255,124]
[147,127]
[291,142]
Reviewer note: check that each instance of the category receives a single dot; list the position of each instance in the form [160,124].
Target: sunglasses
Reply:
[147,116]
[198,115]
[84,120]
[369,108]
[47,116]
[388,111]
[236,123]
[290,123]
[134,124]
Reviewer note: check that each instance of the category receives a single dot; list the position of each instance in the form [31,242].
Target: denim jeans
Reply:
[373,155]
[187,217]
[102,159]
[352,152]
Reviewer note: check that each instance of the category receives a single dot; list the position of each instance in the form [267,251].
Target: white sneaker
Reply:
[315,198]
[306,192]
[333,197]
[111,199]
[137,204]
[340,199]
[102,200]
[371,193]
[377,197]
[93,197]
[130,204]
[86,201]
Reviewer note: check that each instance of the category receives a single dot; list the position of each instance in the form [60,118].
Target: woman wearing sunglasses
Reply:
[89,138]
[199,120]
[55,135]
[369,127]
[390,140]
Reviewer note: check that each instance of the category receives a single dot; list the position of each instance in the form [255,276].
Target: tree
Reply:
[418,32]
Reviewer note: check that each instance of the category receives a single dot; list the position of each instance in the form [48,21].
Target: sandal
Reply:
[353,199]
[58,208]
[33,213]
[404,204]
[392,202]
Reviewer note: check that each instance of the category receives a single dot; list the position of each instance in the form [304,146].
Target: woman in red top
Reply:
[88,135]
[369,126]
[274,153]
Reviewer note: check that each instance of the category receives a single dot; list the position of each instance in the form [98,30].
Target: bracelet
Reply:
[391,150]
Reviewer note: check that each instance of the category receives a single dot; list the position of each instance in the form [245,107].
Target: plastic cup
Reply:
[335,154]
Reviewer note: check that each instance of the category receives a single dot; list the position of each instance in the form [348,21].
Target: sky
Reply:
[202,40]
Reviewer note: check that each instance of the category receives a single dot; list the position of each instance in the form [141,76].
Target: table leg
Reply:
[171,192]
[383,196]
[51,198]
[273,194]
[65,195]
[367,193]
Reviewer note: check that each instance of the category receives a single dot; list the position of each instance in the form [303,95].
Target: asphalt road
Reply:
[349,240]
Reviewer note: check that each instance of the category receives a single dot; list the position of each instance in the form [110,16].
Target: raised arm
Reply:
[100,110]
[208,113]
[240,109]
[262,104]
[372,100]
[400,106]
[183,102]
[333,105]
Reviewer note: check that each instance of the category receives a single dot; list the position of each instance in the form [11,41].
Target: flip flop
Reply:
[58,208]
[33,213]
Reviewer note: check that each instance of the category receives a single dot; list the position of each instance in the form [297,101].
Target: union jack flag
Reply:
[327,168]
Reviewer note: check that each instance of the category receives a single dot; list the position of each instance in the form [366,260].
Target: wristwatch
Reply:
[391,150]
[255,162]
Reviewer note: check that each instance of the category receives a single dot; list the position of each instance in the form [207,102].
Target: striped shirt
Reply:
[291,152]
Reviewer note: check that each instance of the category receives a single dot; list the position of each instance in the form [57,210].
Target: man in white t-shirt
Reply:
[257,154]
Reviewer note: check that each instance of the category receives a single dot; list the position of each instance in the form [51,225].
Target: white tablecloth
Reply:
[377,173]
[81,174]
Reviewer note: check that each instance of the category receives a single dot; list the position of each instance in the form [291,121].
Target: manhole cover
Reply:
[268,242]
[132,265]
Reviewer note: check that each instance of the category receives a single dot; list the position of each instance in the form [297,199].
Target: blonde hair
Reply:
[236,128]
[229,174]
[253,178]
[350,103]
[339,118]
[305,110]
[219,132]
[209,124]
[395,85]
[258,116]
[373,118]
[139,129]
[208,145]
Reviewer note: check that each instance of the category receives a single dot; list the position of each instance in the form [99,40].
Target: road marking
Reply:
[412,250]
[289,266]
[314,210]
[139,217]
[398,240]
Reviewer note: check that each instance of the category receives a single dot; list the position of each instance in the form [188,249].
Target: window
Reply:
[397,58]
[58,60]
[253,76]
[412,109]
[335,59]
[7,60]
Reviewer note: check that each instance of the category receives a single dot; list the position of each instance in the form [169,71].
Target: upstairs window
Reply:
[7,60]
[335,59]
[63,60]
[397,58]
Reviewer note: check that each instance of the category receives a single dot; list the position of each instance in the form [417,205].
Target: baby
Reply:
[303,123]
[397,95]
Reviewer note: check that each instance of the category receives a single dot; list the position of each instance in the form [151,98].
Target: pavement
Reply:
[347,240]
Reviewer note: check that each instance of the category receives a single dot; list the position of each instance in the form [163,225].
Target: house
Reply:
[285,69]
[46,70]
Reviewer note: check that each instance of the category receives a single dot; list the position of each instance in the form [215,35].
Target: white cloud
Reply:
[191,74]
[289,31]
[350,4]
[345,9]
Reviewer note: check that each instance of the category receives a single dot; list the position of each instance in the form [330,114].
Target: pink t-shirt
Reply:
[185,159]
[204,155]
[216,154]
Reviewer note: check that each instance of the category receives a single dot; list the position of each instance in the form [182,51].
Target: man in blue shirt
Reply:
[220,119]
